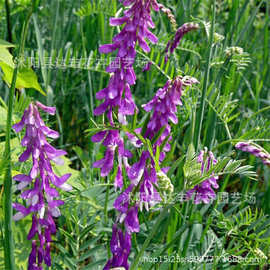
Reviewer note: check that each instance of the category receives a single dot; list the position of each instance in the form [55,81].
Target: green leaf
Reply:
[27,78]
[191,152]
[158,135]
[5,44]
[6,57]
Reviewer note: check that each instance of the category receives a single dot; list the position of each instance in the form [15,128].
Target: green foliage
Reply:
[249,232]
[26,77]
[5,56]
[224,166]
[94,7]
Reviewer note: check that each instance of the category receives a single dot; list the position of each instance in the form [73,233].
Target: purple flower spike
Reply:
[49,110]
[33,254]
[120,248]
[173,44]
[255,150]
[36,187]
[204,191]
[131,221]
[113,142]
[136,21]
[164,106]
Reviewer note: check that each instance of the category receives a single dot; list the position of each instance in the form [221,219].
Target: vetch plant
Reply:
[137,22]
[37,186]
[117,94]
[149,185]
[145,176]
[120,247]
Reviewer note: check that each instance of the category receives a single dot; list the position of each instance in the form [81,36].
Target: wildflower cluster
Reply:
[143,175]
[117,95]
[38,187]
[136,158]
[148,182]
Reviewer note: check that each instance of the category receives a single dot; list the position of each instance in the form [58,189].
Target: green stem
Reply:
[106,203]
[136,262]
[9,31]
[8,240]
[205,82]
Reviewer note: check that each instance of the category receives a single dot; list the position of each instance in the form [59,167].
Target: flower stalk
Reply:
[199,120]
[8,240]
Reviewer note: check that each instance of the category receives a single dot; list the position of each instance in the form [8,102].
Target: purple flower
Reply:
[133,139]
[37,187]
[181,31]
[255,150]
[136,171]
[131,221]
[170,15]
[123,200]
[120,248]
[128,213]
[147,66]
[112,141]
[164,106]
[149,196]
[204,191]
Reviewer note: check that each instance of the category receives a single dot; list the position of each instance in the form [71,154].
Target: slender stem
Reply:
[90,104]
[106,203]
[8,240]
[148,239]
[193,119]
[153,63]
[205,82]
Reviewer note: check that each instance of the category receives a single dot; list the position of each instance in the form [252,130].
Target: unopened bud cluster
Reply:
[181,31]
[234,51]
[255,150]
[170,15]
[164,182]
